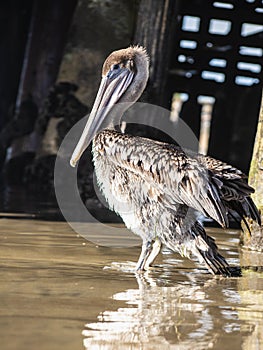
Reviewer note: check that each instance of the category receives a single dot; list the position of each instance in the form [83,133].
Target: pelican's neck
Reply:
[132,94]
[140,79]
[114,119]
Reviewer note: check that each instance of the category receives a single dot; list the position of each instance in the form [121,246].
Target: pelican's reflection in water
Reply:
[192,311]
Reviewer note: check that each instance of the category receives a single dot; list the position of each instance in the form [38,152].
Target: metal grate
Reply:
[219,43]
[218,53]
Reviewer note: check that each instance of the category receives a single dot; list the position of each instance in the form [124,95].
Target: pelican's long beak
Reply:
[112,87]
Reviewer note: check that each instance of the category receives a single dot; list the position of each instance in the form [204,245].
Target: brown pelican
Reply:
[162,187]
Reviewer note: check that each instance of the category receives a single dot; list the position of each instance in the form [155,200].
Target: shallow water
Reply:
[58,291]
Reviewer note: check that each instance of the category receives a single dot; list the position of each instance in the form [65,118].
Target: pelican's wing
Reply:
[182,179]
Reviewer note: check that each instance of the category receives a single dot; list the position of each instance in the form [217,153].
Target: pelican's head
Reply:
[124,77]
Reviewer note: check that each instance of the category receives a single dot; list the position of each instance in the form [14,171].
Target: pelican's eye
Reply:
[114,71]
[115,66]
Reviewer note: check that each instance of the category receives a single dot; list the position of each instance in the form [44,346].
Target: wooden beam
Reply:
[46,39]
[15,18]
[155,30]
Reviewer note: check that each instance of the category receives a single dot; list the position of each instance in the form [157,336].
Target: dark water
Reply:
[58,291]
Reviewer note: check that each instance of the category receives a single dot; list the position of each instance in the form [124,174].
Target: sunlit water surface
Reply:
[58,291]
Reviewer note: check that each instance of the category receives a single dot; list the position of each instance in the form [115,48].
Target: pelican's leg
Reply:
[156,247]
[145,252]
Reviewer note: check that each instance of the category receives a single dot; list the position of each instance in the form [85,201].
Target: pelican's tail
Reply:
[207,252]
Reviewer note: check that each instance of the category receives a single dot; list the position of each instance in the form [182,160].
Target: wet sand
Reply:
[59,291]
